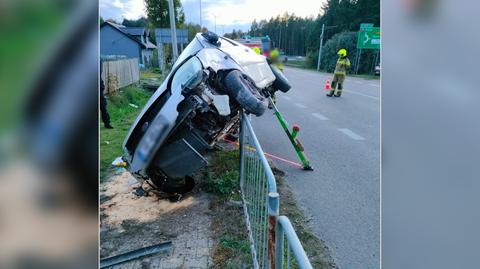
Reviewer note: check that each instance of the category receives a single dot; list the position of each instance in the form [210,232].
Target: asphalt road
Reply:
[341,137]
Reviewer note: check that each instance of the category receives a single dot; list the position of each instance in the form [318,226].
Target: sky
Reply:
[230,14]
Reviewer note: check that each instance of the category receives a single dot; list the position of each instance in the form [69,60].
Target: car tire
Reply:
[244,92]
[281,82]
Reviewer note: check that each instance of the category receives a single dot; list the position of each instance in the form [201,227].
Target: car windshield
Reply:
[190,50]
[188,75]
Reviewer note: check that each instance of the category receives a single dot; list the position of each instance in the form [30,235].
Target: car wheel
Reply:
[244,92]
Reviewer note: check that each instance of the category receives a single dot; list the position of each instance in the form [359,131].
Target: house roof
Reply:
[131,32]
[134,31]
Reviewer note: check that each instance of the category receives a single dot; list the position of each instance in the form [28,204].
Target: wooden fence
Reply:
[119,73]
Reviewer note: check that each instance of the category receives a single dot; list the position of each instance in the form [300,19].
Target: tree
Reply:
[192,30]
[142,22]
[157,11]
[301,36]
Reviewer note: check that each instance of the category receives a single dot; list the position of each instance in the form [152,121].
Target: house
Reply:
[131,42]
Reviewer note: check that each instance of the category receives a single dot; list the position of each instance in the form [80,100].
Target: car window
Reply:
[188,75]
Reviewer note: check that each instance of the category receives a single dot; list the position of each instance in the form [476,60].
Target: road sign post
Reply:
[368,38]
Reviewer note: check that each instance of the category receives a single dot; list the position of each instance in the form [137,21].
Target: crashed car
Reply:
[198,103]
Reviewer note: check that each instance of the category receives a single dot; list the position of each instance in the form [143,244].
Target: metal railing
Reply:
[261,207]
[286,244]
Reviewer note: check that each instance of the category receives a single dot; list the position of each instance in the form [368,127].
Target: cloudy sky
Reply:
[230,14]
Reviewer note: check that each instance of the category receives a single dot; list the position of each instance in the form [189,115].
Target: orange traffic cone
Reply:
[327,85]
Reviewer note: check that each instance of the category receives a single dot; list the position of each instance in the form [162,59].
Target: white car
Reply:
[199,102]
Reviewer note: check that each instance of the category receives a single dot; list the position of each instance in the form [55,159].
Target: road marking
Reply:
[300,105]
[319,116]
[351,134]
[374,85]
[356,81]
[286,97]
[361,94]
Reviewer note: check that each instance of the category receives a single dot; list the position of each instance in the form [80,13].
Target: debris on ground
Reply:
[119,162]
[129,221]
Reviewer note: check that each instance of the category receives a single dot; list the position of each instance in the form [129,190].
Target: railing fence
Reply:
[266,230]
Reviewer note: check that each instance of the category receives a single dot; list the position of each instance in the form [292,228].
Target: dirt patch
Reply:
[129,222]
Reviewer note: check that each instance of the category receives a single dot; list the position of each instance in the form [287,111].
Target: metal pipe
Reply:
[294,243]
[273,209]
[173,29]
[320,48]
[135,254]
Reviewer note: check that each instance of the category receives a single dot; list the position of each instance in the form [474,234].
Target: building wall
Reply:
[112,42]
[147,55]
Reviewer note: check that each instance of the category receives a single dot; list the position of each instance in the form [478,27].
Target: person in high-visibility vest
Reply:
[275,59]
[343,63]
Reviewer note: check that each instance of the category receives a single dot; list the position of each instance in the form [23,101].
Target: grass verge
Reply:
[221,178]
[122,115]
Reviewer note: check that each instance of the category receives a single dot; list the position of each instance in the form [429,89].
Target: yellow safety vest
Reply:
[342,65]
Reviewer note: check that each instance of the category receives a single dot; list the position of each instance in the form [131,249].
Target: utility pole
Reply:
[320,48]
[200,14]
[215,23]
[173,30]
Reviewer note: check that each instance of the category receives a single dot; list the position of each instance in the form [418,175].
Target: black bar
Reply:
[134,254]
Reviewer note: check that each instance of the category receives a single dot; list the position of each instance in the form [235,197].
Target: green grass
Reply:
[148,74]
[122,116]
[221,179]
[297,64]
[222,175]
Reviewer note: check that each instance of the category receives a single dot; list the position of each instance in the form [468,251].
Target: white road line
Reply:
[356,81]
[319,116]
[286,97]
[300,105]
[374,85]
[361,94]
[351,134]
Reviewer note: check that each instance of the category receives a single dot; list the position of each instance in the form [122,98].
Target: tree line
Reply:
[296,35]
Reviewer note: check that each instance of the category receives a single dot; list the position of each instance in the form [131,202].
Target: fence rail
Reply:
[118,73]
[287,243]
[266,230]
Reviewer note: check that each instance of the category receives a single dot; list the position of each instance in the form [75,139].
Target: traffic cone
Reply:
[327,85]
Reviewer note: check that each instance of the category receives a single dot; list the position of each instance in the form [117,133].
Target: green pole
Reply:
[292,137]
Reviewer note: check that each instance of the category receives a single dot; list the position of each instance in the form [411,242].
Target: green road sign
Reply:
[368,37]
[366,25]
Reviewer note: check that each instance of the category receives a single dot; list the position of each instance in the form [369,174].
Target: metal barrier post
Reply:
[242,152]
[268,233]
[273,209]
[279,247]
